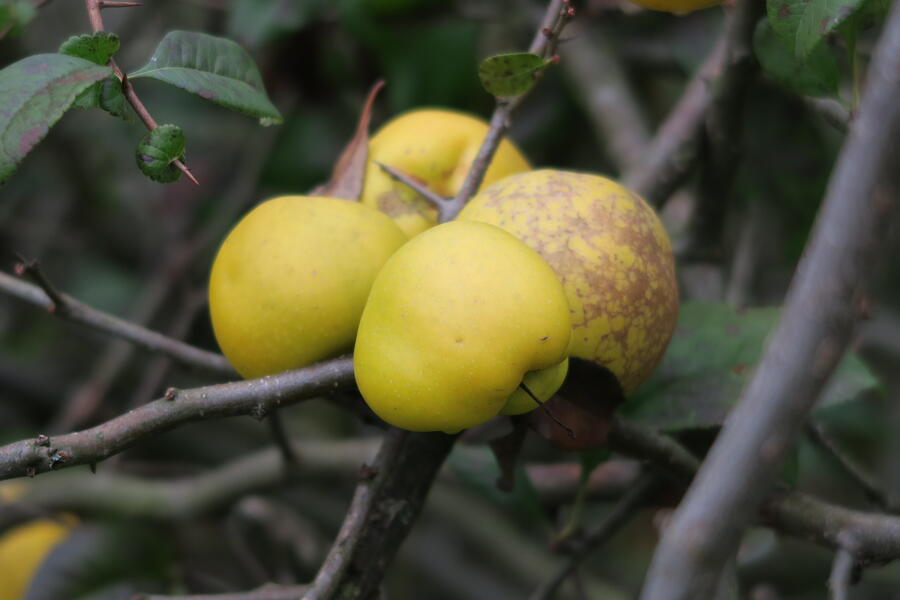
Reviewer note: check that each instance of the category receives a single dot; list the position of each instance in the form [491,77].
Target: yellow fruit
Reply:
[455,320]
[290,281]
[676,6]
[22,549]
[611,253]
[435,147]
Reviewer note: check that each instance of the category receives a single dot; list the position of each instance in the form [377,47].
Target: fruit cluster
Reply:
[456,323]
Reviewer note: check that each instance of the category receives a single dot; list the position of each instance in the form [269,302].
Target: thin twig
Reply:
[93,8]
[617,517]
[557,16]
[256,397]
[440,202]
[849,466]
[32,269]
[282,441]
[841,575]
[78,312]
[833,112]
[821,312]
[267,592]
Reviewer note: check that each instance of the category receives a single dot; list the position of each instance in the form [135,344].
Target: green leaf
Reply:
[711,358]
[510,74]
[102,562]
[255,22]
[158,150]
[34,94]
[107,95]
[816,75]
[213,68]
[14,15]
[477,468]
[803,24]
[96,47]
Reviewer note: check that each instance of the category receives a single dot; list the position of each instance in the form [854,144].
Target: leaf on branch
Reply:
[158,150]
[96,47]
[804,24]
[814,75]
[709,361]
[510,74]
[107,95]
[585,404]
[34,94]
[349,172]
[213,68]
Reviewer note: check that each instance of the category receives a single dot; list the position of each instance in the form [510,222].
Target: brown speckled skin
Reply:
[610,251]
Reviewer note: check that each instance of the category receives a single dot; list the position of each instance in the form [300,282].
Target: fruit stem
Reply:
[547,410]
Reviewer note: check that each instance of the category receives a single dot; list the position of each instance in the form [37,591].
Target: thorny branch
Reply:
[821,312]
[93,8]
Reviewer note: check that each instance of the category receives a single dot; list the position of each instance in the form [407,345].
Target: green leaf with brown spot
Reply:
[213,68]
[709,361]
[34,93]
[96,47]
[803,24]
[510,74]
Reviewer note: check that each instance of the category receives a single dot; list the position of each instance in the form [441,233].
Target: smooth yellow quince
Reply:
[290,281]
[455,320]
[611,253]
[437,148]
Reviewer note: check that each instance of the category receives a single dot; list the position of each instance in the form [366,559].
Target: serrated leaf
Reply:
[158,150]
[106,95]
[478,469]
[102,562]
[711,358]
[214,68]
[510,74]
[96,47]
[803,24]
[815,75]
[34,93]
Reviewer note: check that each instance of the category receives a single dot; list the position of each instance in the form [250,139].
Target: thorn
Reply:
[547,411]
[184,169]
[171,394]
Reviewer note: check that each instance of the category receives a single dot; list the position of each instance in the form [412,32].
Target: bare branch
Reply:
[78,312]
[821,312]
[266,592]
[841,575]
[624,509]
[256,397]
[32,270]
[387,501]
[674,149]
[282,441]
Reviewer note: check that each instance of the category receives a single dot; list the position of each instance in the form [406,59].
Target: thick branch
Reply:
[78,312]
[256,397]
[384,507]
[821,311]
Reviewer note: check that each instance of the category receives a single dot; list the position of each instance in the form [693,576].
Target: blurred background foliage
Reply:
[115,240]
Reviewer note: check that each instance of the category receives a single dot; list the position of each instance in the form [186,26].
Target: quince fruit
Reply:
[436,147]
[456,319]
[290,281]
[611,253]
